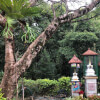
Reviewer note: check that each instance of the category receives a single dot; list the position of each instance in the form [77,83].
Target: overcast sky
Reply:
[78,4]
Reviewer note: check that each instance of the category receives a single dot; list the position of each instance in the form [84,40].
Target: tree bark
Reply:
[8,83]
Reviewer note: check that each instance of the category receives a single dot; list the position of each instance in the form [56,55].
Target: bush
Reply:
[64,83]
[76,98]
[46,86]
[41,86]
[29,87]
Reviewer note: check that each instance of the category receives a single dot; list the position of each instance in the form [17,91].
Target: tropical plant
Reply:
[15,10]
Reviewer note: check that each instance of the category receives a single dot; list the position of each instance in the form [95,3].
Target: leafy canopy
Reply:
[14,10]
[17,9]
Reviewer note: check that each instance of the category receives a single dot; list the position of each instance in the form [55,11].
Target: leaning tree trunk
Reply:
[8,83]
[11,67]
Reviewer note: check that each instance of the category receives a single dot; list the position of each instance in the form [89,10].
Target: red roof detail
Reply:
[89,52]
[75,60]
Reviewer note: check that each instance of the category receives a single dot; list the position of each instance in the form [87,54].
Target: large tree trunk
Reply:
[8,82]
[10,77]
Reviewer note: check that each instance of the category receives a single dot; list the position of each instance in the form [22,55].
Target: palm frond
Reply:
[17,9]
[30,11]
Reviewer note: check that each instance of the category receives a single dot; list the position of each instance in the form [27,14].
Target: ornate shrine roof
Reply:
[75,60]
[89,52]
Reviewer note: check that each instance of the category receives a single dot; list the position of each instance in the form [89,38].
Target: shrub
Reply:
[47,86]
[76,98]
[30,87]
[64,83]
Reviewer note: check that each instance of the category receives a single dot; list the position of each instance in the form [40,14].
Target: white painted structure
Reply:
[90,81]
[75,88]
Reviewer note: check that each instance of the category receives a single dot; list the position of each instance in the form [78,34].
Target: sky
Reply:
[73,6]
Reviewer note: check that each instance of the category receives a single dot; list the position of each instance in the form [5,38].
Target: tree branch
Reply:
[2,20]
[35,47]
[32,2]
[77,13]
[53,10]
[66,4]
[54,1]
[85,18]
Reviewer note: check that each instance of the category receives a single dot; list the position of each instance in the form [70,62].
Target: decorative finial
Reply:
[89,61]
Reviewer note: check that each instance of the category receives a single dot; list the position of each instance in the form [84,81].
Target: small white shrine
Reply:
[75,77]
[90,81]
[75,88]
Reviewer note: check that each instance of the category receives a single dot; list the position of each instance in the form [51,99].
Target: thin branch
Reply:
[78,13]
[32,2]
[85,19]
[54,1]
[53,10]
[66,5]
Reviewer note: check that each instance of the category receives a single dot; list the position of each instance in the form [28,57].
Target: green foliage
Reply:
[43,67]
[17,9]
[67,51]
[70,39]
[30,35]
[46,12]
[1,95]
[47,86]
[64,83]
[96,10]
[60,9]
[42,86]
[81,36]
[9,24]
[76,98]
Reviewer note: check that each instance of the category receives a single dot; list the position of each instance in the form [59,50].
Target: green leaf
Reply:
[18,8]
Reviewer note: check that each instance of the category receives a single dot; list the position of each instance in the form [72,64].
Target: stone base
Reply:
[90,85]
[75,94]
